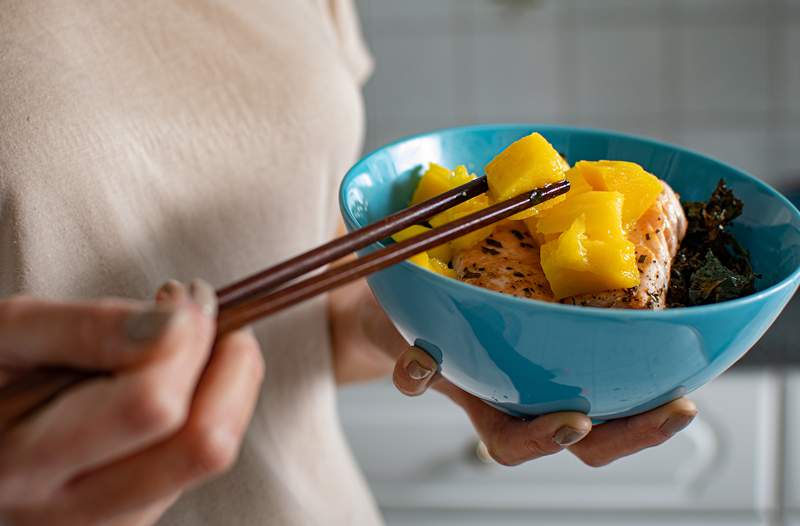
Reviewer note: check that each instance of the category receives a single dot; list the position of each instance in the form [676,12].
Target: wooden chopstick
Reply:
[266,302]
[262,294]
[297,266]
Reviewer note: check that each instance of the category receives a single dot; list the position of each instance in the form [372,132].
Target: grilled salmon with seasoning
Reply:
[508,260]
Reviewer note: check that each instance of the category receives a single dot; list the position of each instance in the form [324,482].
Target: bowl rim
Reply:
[791,280]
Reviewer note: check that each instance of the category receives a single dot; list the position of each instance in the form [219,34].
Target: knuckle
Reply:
[535,449]
[211,449]
[154,409]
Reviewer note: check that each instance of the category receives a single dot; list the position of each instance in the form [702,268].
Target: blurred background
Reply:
[718,76]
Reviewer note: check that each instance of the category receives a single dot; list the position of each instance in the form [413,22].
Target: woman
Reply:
[167,138]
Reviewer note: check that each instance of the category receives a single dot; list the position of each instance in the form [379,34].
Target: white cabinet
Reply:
[792,446]
[418,454]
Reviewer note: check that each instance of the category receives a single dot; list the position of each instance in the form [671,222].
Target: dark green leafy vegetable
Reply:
[711,266]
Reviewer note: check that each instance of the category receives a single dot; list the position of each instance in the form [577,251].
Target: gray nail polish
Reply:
[566,436]
[676,423]
[204,296]
[417,371]
[148,325]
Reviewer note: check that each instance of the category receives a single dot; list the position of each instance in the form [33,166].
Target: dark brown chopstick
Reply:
[258,306]
[292,268]
[262,294]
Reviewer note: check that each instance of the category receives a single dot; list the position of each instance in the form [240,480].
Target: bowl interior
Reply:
[769,227]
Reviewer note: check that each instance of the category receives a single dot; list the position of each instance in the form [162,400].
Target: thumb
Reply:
[414,371]
[105,334]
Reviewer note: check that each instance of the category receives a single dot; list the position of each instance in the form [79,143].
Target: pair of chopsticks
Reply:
[280,286]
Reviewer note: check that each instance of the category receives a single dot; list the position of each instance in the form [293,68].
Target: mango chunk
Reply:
[441,267]
[437,179]
[442,252]
[602,210]
[420,259]
[570,251]
[526,164]
[575,264]
[433,264]
[640,188]
[464,209]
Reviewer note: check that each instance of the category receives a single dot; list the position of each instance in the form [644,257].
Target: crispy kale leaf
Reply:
[711,266]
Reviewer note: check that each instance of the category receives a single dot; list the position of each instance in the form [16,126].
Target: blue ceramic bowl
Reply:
[528,357]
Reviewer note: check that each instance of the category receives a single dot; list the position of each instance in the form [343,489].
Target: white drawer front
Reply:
[419,453]
[539,518]
[792,445]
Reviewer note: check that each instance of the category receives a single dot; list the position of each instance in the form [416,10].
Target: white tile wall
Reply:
[791,66]
[722,70]
[513,78]
[721,76]
[619,72]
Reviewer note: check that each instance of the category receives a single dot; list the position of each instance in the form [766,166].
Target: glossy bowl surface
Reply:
[528,357]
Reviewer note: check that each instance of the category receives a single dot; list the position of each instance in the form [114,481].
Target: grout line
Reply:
[672,72]
[566,55]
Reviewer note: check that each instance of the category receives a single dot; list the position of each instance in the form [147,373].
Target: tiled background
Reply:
[720,76]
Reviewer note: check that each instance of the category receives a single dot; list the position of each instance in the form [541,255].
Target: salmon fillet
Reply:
[508,260]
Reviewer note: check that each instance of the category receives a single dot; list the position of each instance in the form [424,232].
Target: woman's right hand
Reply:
[120,449]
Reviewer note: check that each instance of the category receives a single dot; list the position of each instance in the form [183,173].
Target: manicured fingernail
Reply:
[149,324]
[204,296]
[676,423]
[168,290]
[566,436]
[417,371]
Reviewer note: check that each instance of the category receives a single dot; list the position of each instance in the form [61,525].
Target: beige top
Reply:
[164,138]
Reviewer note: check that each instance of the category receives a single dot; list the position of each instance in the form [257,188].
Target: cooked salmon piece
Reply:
[508,260]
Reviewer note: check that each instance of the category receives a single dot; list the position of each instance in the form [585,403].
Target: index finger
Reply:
[103,334]
[619,438]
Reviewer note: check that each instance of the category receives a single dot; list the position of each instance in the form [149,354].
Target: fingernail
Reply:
[204,296]
[417,371]
[168,290]
[566,436]
[149,324]
[676,423]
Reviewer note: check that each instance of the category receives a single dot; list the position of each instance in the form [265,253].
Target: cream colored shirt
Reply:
[148,139]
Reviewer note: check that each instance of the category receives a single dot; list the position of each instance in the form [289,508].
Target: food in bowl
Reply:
[609,242]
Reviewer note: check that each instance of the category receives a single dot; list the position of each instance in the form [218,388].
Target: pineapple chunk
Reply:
[442,252]
[602,210]
[526,164]
[640,188]
[575,264]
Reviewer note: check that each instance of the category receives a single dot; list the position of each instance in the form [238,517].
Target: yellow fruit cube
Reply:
[530,162]
[420,259]
[640,188]
[436,180]
[441,267]
[442,252]
[464,209]
[602,210]
[576,265]
[570,251]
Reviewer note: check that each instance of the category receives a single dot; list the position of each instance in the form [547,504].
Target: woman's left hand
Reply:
[511,441]
[366,345]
